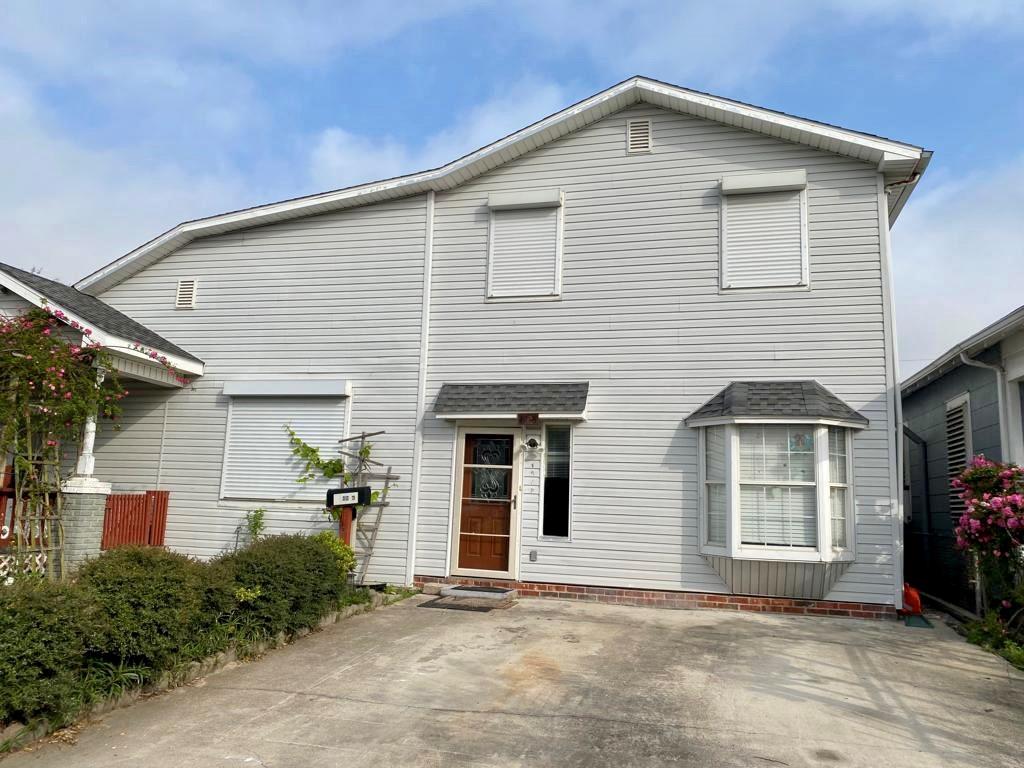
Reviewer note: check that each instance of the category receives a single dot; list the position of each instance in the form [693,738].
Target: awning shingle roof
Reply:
[95,311]
[568,398]
[775,399]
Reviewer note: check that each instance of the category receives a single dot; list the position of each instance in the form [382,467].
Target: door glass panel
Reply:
[489,450]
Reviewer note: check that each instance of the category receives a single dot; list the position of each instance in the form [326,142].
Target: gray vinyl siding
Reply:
[11,305]
[332,296]
[642,318]
[933,562]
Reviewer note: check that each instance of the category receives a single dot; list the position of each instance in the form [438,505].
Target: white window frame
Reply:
[543,476]
[805,260]
[559,230]
[824,552]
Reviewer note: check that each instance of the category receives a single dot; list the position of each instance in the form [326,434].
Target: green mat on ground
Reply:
[917,621]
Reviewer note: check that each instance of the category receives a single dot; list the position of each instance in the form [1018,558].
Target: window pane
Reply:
[777,453]
[716,516]
[837,499]
[714,453]
[557,458]
[837,455]
[778,515]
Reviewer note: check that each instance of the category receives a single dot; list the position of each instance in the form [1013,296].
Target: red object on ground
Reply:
[911,601]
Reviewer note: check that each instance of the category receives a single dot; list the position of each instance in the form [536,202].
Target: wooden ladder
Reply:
[368,517]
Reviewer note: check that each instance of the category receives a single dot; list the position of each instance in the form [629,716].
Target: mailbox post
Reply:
[345,500]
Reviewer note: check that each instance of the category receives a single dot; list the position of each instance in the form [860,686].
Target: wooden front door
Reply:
[487,503]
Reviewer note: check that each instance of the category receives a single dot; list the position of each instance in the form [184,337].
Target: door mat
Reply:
[917,621]
[466,604]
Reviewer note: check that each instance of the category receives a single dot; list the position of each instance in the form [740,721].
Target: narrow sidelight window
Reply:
[557,475]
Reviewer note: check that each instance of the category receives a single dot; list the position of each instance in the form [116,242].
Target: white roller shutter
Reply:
[258,461]
[524,253]
[764,240]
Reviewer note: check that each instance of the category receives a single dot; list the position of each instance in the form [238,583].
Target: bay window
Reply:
[776,490]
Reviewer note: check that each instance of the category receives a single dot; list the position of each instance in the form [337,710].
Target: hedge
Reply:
[134,613]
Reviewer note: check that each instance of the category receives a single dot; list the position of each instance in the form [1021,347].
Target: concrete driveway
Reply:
[551,683]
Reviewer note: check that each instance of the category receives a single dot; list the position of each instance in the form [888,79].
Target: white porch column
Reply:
[85,502]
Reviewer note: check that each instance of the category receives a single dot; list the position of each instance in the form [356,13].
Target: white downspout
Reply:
[1004,416]
[421,391]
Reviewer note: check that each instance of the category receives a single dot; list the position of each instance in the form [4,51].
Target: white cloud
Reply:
[728,43]
[67,208]
[340,158]
[958,261]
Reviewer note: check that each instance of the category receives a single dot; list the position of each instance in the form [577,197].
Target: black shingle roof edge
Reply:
[803,399]
[95,311]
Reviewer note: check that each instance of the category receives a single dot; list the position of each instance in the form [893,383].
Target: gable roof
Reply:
[93,311]
[901,163]
[1005,326]
[774,400]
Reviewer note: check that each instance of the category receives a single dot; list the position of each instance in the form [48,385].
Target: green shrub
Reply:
[290,583]
[46,631]
[154,605]
[342,552]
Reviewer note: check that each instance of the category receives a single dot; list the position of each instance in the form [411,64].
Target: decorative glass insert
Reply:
[486,483]
[491,451]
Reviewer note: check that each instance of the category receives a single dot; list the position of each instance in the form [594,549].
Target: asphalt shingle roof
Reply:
[752,399]
[96,312]
[505,398]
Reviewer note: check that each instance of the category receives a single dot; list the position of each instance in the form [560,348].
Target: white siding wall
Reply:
[332,296]
[11,305]
[642,318]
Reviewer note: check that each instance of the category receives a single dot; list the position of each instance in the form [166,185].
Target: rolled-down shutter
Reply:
[763,240]
[524,252]
[259,463]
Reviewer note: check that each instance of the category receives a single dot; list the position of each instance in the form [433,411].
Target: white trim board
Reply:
[902,163]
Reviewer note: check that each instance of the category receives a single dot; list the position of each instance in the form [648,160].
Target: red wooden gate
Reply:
[135,518]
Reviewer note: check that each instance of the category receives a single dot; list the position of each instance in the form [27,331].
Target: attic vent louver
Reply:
[186,295]
[638,136]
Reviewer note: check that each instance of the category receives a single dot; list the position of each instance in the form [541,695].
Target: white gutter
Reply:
[1004,416]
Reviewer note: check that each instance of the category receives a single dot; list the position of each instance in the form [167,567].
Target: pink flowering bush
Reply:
[992,530]
[48,388]
[993,524]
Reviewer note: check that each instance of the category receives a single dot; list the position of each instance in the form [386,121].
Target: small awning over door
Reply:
[547,400]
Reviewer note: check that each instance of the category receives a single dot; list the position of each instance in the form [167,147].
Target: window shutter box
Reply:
[185,297]
[763,240]
[258,461]
[524,252]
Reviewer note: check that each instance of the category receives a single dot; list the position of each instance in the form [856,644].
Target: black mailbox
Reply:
[348,497]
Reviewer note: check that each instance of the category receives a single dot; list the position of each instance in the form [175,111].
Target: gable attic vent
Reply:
[638,136]
[186,295]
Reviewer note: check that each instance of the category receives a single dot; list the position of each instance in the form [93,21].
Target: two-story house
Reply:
[640,349]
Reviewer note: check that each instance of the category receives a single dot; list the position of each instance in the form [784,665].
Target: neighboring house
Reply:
[965,403]
[644,343]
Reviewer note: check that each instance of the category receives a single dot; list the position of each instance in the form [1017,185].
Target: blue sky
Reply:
[117,124]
